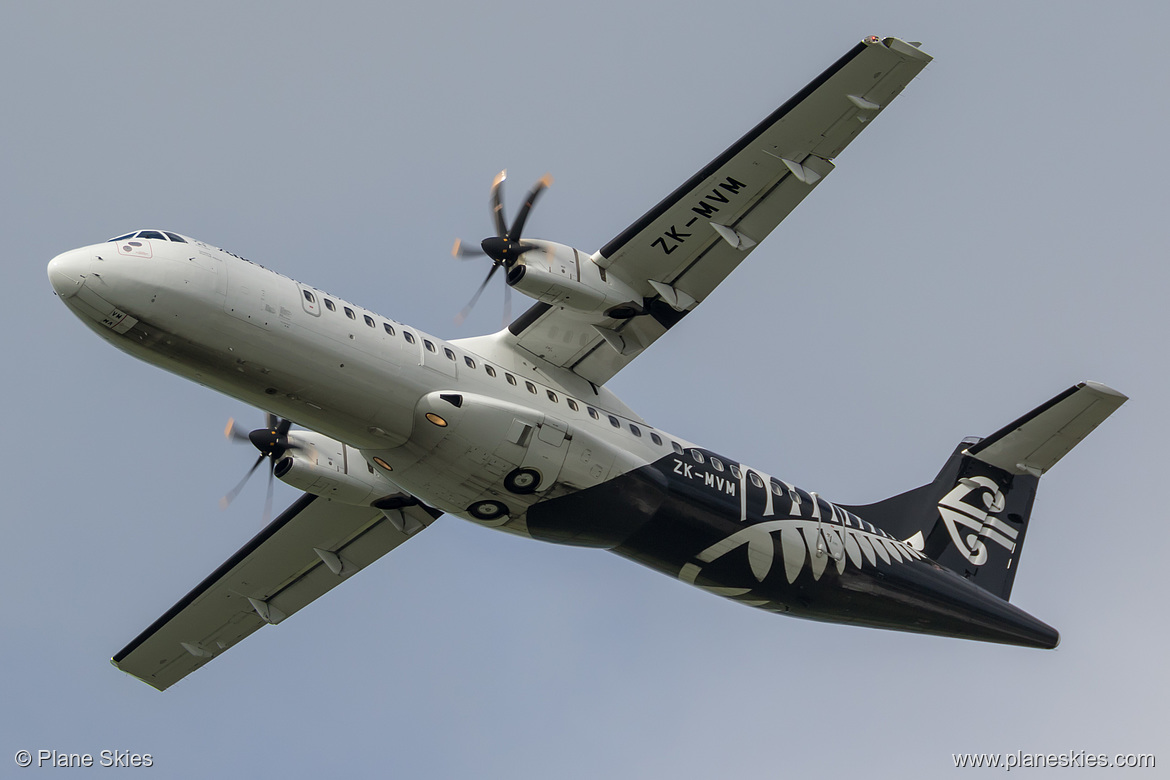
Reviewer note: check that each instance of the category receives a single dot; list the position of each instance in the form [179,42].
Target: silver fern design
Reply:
[803,542]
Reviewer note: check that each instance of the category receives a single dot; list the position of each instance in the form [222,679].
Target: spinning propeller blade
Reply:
[505,247]
[273,443]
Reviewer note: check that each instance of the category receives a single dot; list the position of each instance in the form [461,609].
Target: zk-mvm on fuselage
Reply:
[517,430]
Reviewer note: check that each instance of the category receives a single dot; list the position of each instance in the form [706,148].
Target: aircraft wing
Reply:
[312,547]
[681,249]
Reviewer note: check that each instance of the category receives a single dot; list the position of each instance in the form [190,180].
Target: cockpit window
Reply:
[155,234]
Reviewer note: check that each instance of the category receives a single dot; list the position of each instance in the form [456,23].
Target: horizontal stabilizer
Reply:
[1035,442]
[972,519]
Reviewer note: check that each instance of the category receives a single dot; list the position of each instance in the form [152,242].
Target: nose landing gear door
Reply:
[547,447]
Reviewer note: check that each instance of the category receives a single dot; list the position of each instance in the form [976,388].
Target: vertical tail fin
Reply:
[973,517]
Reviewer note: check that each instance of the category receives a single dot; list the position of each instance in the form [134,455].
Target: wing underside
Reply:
[680,250]
[312,547]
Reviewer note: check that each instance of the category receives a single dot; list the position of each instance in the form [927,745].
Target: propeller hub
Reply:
[269,442]
[502,249]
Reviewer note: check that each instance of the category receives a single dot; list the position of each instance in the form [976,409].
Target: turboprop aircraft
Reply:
[517,430]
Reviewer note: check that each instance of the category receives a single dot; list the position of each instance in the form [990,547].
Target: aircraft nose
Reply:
[67,271]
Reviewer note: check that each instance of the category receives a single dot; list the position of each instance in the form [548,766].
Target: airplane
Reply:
[517,431]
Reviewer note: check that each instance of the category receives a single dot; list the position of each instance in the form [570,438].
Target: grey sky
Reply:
[996,236]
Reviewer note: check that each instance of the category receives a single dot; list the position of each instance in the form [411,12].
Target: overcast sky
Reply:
[996,236]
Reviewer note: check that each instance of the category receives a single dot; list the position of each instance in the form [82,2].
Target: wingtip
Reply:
[1105,389]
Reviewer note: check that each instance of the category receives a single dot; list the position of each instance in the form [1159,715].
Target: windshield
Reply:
[160,235]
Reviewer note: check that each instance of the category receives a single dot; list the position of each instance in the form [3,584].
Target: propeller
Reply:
[273,443]
[505,247]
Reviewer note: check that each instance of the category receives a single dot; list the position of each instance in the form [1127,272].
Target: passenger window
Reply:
[349,313]
[716,463]
[735,472]
[369,320]
[511,379]
[329,305]
[572,404]
[389,329]
[309,296]
[755,478]
[430,347]
[531,387]
[406,334]
[776,489]
[615,422]
[449,353]
[551,396]
[696,456]
[634,429]
[470,363]
[490,371]
[593,413]
[654,437]
[674,445]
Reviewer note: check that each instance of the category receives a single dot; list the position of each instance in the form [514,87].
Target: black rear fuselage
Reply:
[755,539]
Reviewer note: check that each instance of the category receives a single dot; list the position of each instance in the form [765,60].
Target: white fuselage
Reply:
[361,379]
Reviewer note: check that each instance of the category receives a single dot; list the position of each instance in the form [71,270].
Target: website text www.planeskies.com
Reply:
[1069,759]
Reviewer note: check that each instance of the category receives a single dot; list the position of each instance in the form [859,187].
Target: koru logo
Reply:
[972,504]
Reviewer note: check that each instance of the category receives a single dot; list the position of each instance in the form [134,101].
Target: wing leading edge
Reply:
[312,547]
[681,249]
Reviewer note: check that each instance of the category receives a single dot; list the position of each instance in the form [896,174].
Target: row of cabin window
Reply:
[491,371]
[331,306]
[717,465]
[552,396]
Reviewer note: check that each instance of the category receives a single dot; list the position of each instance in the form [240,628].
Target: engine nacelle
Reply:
[560,275]
[330,469]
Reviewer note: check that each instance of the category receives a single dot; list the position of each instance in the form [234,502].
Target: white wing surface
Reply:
[312,547]
[680,250]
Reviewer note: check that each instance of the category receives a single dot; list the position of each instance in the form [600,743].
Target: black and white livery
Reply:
[517,431]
